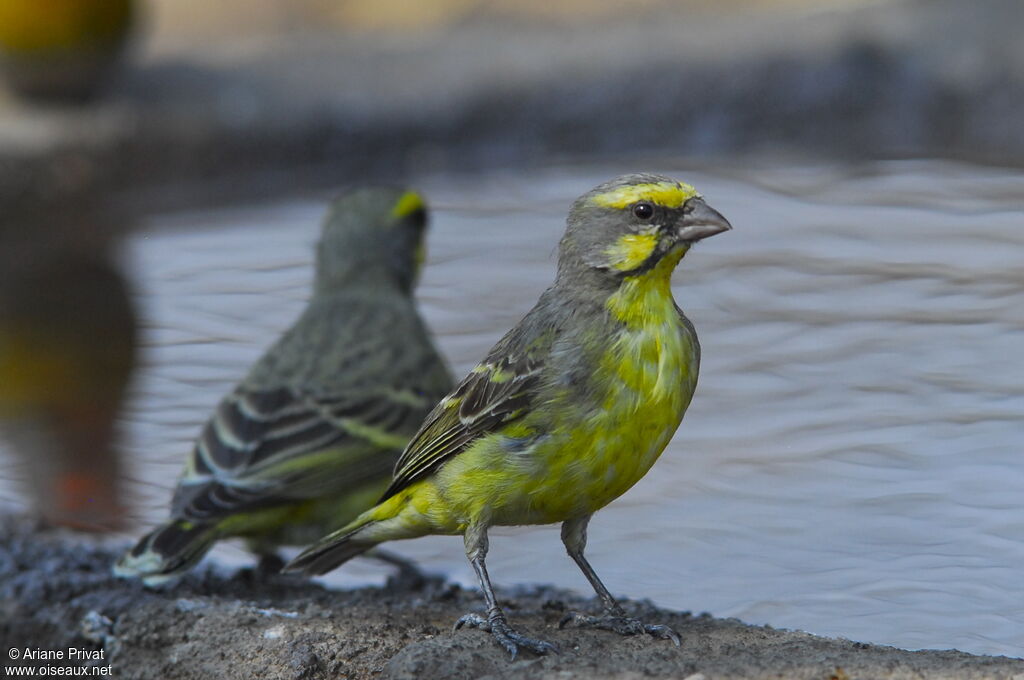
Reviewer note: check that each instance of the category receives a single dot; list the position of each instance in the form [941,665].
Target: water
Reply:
[851,464]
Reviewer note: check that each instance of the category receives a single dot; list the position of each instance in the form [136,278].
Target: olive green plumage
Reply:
[568,410]
[308,439]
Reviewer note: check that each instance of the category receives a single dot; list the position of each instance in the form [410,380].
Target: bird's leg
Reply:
[268,561]
[409,575]
[574,536]
[495,622]
[269,564]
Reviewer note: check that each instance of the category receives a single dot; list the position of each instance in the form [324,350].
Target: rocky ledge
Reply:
[57,594]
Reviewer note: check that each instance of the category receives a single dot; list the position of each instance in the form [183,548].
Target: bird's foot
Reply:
[407,576]
[621,624]
[267,569]
[269,565]
[506,636]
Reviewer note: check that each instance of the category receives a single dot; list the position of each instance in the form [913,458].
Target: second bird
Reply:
[568,411]
[309,439]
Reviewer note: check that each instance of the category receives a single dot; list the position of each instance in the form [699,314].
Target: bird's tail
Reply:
[167,552]
[380,523]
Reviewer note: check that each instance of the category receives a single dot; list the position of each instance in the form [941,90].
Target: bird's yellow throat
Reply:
[647,297]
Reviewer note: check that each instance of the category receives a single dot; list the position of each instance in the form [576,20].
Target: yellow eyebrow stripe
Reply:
[665,194]
[409,203]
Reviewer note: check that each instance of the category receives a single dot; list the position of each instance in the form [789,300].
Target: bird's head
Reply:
[630,225]
[372,234]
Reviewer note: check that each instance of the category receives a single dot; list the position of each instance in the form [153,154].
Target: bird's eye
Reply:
[643,211]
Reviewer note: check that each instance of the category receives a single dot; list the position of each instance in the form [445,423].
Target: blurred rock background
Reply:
[226,99]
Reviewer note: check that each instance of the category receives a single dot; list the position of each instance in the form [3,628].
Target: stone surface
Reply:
[56,592]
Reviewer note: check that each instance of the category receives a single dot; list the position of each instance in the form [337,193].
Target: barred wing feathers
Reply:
[270,446]
[495,393]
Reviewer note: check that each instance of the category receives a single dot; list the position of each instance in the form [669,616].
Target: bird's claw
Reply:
[407,576]
[267,569]
[623,625]
[472,621]
[506,636]
[270,564]
[412,580]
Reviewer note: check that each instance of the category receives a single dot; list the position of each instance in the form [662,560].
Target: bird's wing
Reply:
[325,411]
[496,392]
[264,447]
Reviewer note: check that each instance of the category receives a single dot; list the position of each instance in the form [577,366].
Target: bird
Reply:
[308,439]
[567,411]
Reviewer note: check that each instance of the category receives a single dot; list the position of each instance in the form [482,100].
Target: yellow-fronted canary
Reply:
[308,439]
[568,411]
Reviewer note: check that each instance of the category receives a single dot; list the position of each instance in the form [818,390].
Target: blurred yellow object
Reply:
[67,350]
[62,49]
[48,25]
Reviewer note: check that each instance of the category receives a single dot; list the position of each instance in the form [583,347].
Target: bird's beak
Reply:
[700,221]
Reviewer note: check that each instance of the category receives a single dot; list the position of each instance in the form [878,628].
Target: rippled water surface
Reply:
[852,462]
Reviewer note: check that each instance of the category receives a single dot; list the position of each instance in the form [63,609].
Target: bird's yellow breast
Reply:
[650,372]
[587,451]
